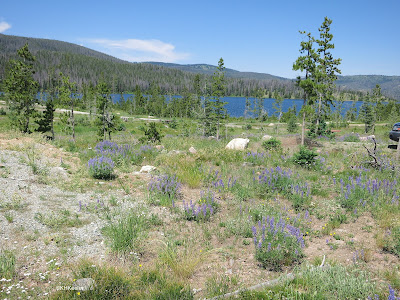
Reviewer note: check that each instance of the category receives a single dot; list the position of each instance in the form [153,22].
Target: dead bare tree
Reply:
[377,162]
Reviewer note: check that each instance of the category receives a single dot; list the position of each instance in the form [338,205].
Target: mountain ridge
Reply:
[75,60]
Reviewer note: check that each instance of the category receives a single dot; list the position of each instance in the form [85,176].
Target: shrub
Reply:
[101,167]
[277,244]
[305,157]
[204,209]
[272,180]
[164,189]
[151,134]
[272,144]
[292,125]
[320,130]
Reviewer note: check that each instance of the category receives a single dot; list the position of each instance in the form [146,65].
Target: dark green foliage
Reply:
[46,121]
[68,96]
[151,134]
[272,144]
[305,157]
[292,126]
[321,129]
[107,122]
[2,112]
[367,115]
[20,89]
[218,110]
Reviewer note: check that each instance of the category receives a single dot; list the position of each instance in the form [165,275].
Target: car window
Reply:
[396,127]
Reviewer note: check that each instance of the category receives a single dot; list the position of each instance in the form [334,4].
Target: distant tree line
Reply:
[199,100]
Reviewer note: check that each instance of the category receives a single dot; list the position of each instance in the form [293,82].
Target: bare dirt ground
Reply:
[51,224]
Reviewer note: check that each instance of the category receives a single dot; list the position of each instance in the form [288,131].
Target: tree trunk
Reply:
[303,128]
[73,122]
[52,128]
[319,110]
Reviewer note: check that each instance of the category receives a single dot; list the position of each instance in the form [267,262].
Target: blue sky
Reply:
[258,36]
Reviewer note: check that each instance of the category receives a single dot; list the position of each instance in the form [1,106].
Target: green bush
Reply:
[292,125]
[272,144]
[151,134]
[101,167]
[276,247]
[305,157]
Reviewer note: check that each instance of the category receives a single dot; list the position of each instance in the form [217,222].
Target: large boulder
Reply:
[237,144]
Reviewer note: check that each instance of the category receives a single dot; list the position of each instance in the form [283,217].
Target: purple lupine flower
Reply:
[392,295]
[254,230]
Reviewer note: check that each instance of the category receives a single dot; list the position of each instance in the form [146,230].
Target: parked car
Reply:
[394,134]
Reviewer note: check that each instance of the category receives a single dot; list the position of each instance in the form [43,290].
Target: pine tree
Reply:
[46,122]
[68,95]
[306,63]
[277,105]
[20,89]
[218,91]
[367,115]
[327,68]
[106,120]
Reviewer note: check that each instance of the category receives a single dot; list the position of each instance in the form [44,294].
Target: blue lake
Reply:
[236,105]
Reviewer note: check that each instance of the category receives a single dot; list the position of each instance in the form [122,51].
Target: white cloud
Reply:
[135,50]
[4,26]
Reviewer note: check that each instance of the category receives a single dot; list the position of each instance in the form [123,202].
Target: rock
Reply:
[211,137]
[271,124]
[176,152]
[58,172]
[192,150]
[367,138]
[83,284]
[237,144]
[195,291]
[147,169]
[266,137]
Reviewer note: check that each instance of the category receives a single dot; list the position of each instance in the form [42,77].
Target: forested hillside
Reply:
[86,66]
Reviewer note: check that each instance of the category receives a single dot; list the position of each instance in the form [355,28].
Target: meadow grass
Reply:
[250,188]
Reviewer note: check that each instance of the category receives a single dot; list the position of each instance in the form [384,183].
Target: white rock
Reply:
[266,137]
[147,169]
[192,150]
[237,144]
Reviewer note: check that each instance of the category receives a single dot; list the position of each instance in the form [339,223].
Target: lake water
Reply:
[236,105]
